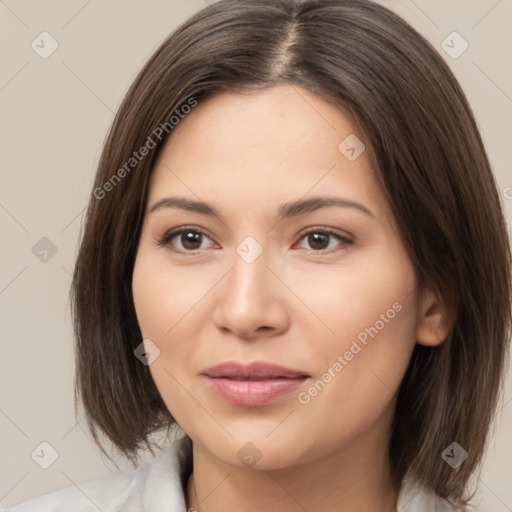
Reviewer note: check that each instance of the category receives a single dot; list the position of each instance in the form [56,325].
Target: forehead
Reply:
[285,119]
[263,146]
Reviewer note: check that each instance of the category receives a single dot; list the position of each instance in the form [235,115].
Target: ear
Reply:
[435,319]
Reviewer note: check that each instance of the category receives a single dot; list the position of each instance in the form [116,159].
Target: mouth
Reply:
[252,385]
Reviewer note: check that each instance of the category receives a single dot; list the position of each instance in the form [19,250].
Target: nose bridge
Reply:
[249,298]
[249,279]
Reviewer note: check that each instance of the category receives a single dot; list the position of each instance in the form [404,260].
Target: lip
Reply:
[254,384]
[257,370]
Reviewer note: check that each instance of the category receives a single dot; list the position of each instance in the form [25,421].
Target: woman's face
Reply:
[299,266]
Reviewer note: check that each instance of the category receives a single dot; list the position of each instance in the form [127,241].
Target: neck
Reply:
[352,478]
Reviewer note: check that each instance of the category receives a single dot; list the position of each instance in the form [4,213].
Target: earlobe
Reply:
[434,318]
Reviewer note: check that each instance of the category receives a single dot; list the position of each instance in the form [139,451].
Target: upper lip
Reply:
[258,370]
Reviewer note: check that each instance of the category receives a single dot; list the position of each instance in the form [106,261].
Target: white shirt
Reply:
[159,486]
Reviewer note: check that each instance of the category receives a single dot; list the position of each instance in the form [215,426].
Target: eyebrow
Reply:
[286,210]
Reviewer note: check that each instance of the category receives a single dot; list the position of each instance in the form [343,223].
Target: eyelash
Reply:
[164,240]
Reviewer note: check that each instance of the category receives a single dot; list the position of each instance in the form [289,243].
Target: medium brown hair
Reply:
[427,151]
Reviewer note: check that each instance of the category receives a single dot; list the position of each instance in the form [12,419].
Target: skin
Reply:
[296,306]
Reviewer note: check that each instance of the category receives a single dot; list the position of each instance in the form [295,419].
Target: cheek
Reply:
[359,300]
[151,304]
[165,297]
[168,305]
[373,313]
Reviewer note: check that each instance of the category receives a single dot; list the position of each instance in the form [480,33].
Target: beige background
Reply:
[55,113]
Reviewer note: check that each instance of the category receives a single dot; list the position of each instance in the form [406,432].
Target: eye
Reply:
[320,240]
[188,240]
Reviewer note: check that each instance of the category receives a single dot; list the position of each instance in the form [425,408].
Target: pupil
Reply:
[318,241]
[189,239]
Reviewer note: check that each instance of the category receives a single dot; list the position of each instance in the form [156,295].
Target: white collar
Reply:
[159,486]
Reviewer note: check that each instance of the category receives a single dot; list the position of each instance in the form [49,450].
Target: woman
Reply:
[295,251]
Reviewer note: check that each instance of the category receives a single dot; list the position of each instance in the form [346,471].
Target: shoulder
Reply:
[416,498]
[123,492]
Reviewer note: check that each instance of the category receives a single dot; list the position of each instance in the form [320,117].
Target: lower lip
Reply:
[252,393]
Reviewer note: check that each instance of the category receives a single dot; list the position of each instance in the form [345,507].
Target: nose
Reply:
[251,300]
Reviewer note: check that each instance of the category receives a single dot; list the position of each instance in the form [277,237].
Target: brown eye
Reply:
[183,240]
[322,240]
[190,240]
[318,241]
